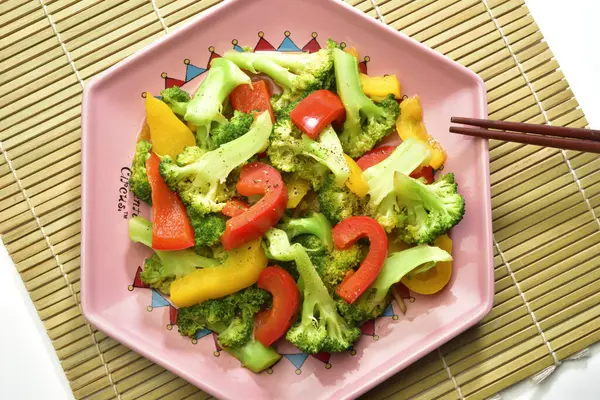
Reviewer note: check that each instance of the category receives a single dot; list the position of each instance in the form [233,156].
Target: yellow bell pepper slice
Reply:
[435,279]
[169,135]
[379,87]
[191,126]
[410,124]
[144,133]
[239,271]
[297,189]
[356,181]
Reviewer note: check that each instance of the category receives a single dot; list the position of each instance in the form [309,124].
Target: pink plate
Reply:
[113,298]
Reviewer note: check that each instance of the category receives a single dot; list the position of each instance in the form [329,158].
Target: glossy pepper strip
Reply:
[171,226]
[256,178]
[235,207]
[272,324]
[316,111]
[379,154]
[240,270]
[356,181]
[169,135]
[256,98]
[345,234]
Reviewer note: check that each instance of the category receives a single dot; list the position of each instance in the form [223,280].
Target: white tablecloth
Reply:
[29,368]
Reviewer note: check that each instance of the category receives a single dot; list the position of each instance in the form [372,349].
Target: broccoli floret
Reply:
[206,106]
[315,224]
[373,302]
[232,318]
[208,228]
[366,122]
[382,204]
[201,184]
[297,74]
[189,155]
[319,327]
[282,111]
[154,275]
[177,99]
[314,234]
[337,203]
[164,266]
[292,151]
[138,181]
[332,44]
[237,126]
[427,211]
[334,265]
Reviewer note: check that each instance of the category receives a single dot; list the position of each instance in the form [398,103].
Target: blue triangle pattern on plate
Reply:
[191,71]
[201,333]
[296,359]
[158,300]
[389,311]
[238,48]
[288,45]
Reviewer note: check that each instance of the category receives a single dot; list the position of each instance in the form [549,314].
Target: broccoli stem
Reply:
[317,224]
[140,231]
[400,264]
[207,104]
[350,90]
[404,159]
[328,151]
[182,261]
[256,63]
[254,355]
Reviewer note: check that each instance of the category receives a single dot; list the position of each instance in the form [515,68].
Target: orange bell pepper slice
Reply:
[171,228]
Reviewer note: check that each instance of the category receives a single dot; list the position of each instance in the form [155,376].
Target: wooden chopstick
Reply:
[579,139]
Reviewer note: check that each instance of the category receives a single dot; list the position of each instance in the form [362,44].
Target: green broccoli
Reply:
[316,224]
[374,301]
[201,183]
[232,318]
[154,275]
[206,106]
[176,98]
[237,126]
[138,181]
[297,74]
[337,203]
[314,234]
[382,204]
[427,211]
[189,155]
[319,327]
[366,122]
[208,228]
[292,151]
[164,266]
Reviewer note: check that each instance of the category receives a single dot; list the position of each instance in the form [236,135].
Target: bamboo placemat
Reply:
[546,202]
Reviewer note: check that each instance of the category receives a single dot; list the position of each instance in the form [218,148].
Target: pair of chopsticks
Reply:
[579,139]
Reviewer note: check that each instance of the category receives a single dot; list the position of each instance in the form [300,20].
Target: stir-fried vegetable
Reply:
[271,212]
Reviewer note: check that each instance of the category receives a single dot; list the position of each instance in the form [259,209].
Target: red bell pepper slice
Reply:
[316,111]
[425,172]
[345,234]
[256,178]
[258,98]
[235,207]
[273,323]
[379,154]
[171,228]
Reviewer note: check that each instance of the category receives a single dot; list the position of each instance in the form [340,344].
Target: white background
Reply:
[29,368]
